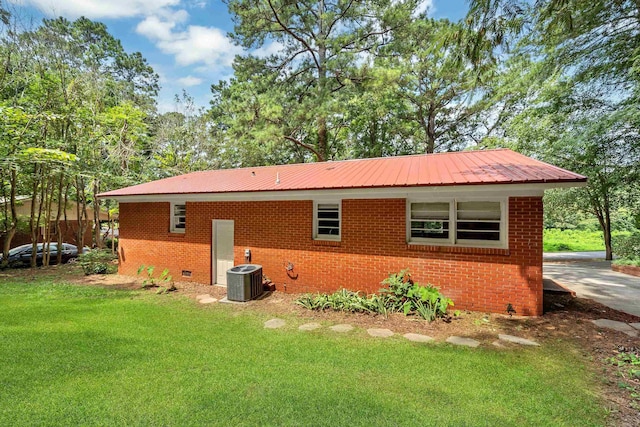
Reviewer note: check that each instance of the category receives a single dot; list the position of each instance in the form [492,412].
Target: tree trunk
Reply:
[11,225]
[323,146]
[607,229]
[602,211]
[80,201]
[46,227]
[431,131]
[58,216]
[33,223]
[96,214]
[323,138]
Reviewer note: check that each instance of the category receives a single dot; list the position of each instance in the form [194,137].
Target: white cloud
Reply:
[190,81]
[155,29]
[421,7]
[197,4]
[424,6]
[268,50]
[97,9]
[196,44]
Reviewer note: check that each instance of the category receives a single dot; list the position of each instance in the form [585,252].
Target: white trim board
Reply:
[489,190]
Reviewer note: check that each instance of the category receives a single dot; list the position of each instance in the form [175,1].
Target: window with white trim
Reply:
[178,217]
[478,221]
[481,223]
[326,221]
[430,221]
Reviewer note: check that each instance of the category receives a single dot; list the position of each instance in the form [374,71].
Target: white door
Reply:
[222,250]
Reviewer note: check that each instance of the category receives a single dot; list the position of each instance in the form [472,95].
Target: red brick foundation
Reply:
[373,245]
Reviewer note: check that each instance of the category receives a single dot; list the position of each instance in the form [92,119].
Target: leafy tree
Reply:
[320,44]
[66,86]
[597,39]
[585,132]
[578,91]
[183,141]
[434,83]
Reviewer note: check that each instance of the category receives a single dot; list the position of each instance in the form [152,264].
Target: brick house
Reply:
[468,222]
[68,225]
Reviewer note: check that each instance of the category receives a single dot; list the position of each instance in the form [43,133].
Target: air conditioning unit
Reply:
[244,282]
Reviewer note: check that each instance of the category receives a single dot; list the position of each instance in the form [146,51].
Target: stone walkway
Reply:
[630,329]
[385,333]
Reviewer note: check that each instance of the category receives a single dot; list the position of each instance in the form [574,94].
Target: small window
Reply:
[478,221]
[430,220]
[178,217]
[327,221]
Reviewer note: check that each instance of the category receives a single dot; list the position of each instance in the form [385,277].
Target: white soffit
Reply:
[496,190]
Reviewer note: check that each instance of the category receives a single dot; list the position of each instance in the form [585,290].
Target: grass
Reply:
[634,262]
[556,240]
[80,355]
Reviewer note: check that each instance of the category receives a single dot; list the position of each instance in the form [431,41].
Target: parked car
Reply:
[21,255]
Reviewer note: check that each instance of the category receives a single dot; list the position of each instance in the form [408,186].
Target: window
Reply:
[457,222]
[178,217]
[327,221]
[430,220]
[479,221]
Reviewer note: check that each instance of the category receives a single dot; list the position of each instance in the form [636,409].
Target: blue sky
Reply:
[184,40]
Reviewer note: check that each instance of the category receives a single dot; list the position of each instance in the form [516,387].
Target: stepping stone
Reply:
[309,326]
[498,344]
[380,333]
[418,337]
[274,323]
[203,296]
[469,342]
[635,325]
[616,326]
[345,327]
[226,300]
[207,300]
[516,340]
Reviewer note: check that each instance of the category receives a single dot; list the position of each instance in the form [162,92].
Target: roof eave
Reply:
[511,189]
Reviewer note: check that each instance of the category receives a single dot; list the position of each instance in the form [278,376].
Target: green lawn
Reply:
[556,240]
[78,355]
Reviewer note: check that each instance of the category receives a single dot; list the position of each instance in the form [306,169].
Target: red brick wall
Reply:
[373,246]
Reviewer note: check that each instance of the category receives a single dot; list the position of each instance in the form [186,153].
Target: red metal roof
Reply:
[442,169]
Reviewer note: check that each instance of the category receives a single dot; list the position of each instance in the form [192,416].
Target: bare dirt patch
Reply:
[565,318]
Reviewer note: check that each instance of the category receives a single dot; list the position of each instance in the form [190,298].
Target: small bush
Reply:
[111,243]
[98,261]
[164,282]
[627,247]
[634,262]
[401,294]
[411,298]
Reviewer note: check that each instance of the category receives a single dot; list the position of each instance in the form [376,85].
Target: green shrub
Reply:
[98,261]
[634,262]
[342,300]
[154,282]
[397,288]
[627,247]
[401,294]
[111,243]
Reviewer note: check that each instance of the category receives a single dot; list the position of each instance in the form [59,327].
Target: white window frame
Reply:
[503,243]
[173,228]
[317,236]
